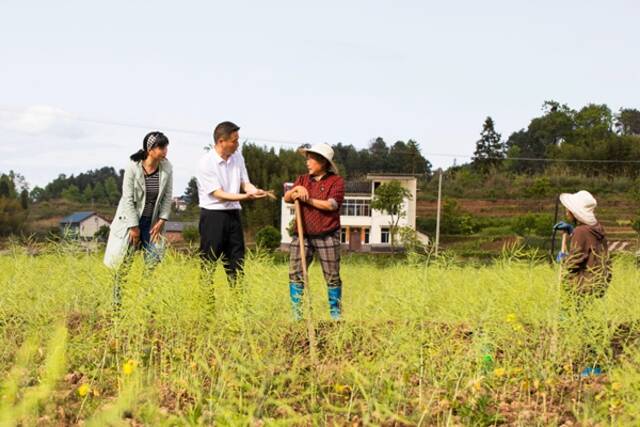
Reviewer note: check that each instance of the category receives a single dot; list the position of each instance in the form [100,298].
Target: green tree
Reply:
[389,198]
[13,207]
[7,187]
[37,194]
[111,188]
[191,192]
[543,135]
[352,163]
[627,121]
[379,155]
[416,163]
[489,148]
[12,216]
[24,199]
[72,193]
[87,194]
[99,194]
[593,122]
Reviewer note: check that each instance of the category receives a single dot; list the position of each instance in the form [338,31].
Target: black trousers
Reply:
[221,237]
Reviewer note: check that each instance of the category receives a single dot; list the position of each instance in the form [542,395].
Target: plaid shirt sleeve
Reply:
[336,192]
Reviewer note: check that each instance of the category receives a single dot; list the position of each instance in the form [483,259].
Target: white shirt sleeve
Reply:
[207,179]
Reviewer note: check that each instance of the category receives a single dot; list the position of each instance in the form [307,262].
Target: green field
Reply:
[422,342]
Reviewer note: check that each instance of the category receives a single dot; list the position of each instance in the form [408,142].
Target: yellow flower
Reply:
[616,386]
[129,367]
[340,388]
[511,318]
[476,385]
[83,390]
[615,406]
[499,372]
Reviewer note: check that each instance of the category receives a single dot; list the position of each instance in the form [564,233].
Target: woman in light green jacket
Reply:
[144,207]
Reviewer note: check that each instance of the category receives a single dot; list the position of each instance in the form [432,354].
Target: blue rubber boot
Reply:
[591,371]
[335,301]
[295,293]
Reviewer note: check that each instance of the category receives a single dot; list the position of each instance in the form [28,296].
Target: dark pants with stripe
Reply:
[221,238]
[326,248]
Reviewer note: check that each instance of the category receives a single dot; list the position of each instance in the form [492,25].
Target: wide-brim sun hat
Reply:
[324,150]
[582,205]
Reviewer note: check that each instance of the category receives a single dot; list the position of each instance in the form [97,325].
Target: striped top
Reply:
[152,186]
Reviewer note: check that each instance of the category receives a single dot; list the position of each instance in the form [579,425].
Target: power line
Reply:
[143,126]
[298,143]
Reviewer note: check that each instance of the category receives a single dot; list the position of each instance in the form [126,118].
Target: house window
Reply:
[376,184]
[384,235]
[366,236]
[356,207]
[343,235]
[292,211]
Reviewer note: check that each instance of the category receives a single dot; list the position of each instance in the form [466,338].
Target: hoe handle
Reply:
[307,294]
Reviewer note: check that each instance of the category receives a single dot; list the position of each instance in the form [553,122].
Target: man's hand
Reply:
[134,236]
[156,230]
[300,193]
[257,194]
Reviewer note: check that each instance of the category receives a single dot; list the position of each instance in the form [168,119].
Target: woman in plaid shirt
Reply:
[321,193]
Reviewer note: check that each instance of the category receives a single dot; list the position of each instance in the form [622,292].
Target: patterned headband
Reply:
[151,142]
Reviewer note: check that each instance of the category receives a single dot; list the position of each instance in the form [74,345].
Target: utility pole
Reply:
[438,210]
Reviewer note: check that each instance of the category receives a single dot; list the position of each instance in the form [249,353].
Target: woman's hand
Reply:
[134,236]
[156,230]
[300,193]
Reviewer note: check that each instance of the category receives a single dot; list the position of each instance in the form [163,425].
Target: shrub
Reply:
[503,230]
[102,234]
[540,187]
[191,234]
[268,238]
[533,224]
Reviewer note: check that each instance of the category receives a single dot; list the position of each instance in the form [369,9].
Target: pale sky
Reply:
[332,71]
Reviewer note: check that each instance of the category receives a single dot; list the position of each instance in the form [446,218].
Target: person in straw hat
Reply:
[321,193]
[587,261]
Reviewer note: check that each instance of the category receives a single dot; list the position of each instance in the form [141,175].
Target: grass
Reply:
[436,344]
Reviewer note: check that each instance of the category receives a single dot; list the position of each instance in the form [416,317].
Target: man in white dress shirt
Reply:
[222,175]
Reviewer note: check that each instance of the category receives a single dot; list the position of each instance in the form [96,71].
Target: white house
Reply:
[363,228]
[83,224]
[179,203]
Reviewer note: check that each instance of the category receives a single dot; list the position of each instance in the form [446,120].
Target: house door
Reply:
[355,243]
